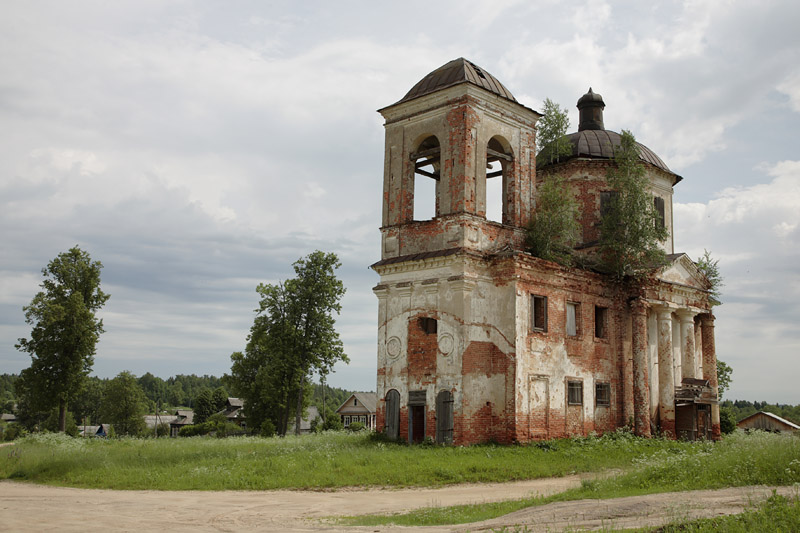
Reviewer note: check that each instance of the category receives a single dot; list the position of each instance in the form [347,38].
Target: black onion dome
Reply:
[456,72]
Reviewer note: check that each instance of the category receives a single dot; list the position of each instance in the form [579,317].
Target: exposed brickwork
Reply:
[422,350]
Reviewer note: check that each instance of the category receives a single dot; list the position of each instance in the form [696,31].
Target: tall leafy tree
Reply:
[553,229]
[64,329]
[551,131]
[293,336]
[630,231]
[203,406]
[124,405]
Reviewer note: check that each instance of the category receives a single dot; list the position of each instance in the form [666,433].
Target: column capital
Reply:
[707,319]
[664,312]
[686,315]
[639,305]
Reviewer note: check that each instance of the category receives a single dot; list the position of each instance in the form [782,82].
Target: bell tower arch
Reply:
[460,127]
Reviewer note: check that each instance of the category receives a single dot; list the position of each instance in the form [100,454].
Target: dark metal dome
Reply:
[601,144]
[453,73]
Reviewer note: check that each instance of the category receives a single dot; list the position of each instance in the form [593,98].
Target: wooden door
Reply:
[392,419]
[444,417]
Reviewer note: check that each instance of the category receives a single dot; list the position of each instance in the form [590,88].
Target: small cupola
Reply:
[590,107]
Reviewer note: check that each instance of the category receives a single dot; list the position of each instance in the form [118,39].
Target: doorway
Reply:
[416,425]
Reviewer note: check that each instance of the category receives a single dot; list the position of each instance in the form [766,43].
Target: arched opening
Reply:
[444,417]
[498,169]
[426,159]
[392,418]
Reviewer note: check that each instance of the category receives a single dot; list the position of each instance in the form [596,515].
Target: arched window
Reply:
[392,418]
[426,159]
[498,170]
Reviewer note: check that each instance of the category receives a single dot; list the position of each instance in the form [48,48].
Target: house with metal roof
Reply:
[766,421]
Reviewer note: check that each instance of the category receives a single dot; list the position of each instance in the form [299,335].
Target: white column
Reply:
[688,352]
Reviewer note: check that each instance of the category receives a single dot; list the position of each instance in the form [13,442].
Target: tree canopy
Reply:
[293,336]
[124,405]
[551,141]
[631,228]
[64,330]
[553,229]
[710,269]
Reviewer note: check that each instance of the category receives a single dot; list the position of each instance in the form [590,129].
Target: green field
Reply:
[321,461]
[330,460]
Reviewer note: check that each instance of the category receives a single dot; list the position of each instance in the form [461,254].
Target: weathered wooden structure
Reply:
[477,339]
[766,421]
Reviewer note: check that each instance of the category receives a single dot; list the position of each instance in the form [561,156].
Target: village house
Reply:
[183,417]
[359,407]
[765,421]
[477,339]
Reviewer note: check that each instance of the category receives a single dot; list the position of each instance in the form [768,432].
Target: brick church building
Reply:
[477,339]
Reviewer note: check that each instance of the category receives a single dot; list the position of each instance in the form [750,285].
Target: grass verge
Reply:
[308,462]
[738,460]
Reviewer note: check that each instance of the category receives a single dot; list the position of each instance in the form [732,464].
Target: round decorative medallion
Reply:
[393,346]
[446,343]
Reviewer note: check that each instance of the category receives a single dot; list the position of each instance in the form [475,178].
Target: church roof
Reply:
[456,72]
[602,144]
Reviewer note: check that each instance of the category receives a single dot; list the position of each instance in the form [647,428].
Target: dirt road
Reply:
[26,507]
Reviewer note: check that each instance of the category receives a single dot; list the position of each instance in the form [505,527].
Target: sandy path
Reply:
[26,507]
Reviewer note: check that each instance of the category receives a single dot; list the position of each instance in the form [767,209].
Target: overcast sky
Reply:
[197,149]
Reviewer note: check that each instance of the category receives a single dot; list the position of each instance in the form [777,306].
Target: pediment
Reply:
[682,270]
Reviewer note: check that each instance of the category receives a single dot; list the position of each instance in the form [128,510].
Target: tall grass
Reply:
[307,462]
[738,460]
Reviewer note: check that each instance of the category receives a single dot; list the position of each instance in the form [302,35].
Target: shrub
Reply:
[13,431]
[356,426]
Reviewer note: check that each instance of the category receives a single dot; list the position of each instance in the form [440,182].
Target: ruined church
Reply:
[480,341]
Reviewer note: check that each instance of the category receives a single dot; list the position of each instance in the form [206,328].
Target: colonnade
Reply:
[667,379]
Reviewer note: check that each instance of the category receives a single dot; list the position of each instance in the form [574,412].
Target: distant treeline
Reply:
[742,409]
[176,391]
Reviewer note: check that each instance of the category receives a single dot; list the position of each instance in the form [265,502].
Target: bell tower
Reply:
[460,127]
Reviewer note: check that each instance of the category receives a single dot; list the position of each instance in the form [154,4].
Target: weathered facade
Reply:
[477,339]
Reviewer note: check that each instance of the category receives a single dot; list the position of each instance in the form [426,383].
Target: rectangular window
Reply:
[539,313]
[607,200]
[573,319]
[428,325]
[658,202]
[602,394]
[600,322]
[575,392]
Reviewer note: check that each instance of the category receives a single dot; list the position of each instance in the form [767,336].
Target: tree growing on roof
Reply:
[64,330]
[630,231]
[710,269]
[551,134]
[553,229]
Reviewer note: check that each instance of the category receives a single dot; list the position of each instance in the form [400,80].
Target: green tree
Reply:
[64,330]
[219,399]
[293,336]
[553,229]
[710,269]
[551,131]
[203,406]
[630,230]
[88,403]
[724,373]
[124,404]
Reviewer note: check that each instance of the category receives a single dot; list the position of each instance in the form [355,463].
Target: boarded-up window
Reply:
[392,421]
[444,417]
[607,200]
[539,313]
[600,322]
[428,325]
[602,394]
[575,392]
[658,202]
[573,319]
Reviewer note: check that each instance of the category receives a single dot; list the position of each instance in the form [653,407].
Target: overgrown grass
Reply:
[740,459]
[308,462]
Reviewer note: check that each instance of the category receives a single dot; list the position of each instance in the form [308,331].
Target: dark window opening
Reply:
[658,202]
[602,394]
[428,325]
[575,392]
[600,322]
[607,201]
[427,167]
[539,313]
